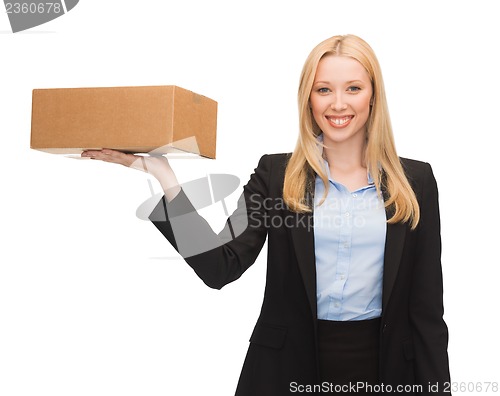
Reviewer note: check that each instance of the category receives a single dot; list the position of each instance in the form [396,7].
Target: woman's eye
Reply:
[323,90]
[354,89]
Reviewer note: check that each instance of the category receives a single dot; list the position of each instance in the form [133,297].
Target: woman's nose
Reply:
[338,103]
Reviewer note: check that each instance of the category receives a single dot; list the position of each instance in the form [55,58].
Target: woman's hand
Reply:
[157,166]
[144,163]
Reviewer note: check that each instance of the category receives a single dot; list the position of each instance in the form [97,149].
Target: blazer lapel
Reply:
[394,242]
[303,242]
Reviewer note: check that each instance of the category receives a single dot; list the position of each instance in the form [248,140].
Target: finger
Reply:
[90,153]
[118,157]
[130,160]
[108,155]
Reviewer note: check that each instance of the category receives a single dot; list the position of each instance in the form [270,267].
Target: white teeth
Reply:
[340,121]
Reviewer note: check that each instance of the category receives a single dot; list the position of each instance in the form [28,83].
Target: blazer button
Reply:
[384,328]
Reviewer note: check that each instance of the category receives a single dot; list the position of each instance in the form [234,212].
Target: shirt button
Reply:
[346,245]
[346,214]
[342,277]
[337,305]
[354,195]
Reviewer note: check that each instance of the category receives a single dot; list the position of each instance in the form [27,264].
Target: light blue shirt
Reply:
[349,237]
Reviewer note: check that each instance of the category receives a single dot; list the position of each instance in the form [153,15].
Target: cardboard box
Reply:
[157,119]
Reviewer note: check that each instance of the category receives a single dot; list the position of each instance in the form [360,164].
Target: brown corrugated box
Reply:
[157,119]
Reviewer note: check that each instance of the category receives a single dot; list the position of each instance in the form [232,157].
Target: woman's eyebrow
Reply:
[347,82]
[321,82]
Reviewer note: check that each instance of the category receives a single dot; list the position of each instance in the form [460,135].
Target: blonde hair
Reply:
[381,158]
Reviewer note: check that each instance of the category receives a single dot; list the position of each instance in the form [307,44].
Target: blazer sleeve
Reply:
[430,333]
[218,258]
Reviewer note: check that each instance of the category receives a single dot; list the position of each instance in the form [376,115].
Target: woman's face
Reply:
[340,99]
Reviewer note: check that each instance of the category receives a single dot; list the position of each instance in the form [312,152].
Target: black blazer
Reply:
[283,345]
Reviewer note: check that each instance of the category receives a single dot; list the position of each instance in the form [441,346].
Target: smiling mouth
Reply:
[339,122]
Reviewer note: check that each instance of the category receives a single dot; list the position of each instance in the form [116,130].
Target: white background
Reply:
[93,301]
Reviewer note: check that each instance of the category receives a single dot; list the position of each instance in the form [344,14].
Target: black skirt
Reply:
[349,356]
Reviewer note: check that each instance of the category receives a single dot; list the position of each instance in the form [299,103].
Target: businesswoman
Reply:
[353,299]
